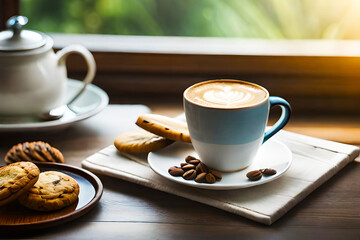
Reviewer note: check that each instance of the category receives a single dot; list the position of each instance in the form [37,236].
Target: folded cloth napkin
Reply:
[314,162]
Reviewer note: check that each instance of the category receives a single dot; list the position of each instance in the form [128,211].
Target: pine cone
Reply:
[34,152]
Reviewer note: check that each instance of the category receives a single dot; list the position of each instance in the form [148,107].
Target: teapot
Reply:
[33,78]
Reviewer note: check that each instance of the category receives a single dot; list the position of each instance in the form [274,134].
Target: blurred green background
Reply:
[267,19]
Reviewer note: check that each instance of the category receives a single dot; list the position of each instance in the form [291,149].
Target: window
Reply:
[223,39]
[266,19]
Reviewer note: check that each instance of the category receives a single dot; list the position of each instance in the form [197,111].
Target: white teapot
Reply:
[33,79]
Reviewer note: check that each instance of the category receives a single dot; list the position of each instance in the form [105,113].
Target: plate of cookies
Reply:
[35,194]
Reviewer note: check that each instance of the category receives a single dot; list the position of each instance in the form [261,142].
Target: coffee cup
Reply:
[227,121]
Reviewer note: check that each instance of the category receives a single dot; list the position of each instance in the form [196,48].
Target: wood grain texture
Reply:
[226,64]
[127,210]
[316,94]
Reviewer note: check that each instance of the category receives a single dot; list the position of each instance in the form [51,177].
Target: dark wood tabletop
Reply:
[130,211]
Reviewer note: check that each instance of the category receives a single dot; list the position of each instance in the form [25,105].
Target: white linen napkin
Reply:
[314,162]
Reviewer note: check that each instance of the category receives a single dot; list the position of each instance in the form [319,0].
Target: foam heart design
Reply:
[226,96]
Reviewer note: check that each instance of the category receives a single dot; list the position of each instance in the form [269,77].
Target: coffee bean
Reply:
[268,171]
[188,167]
[189,158]
[189,175]
[175,171]
[201,167]
[194,161]
[210,178]
[254,175]
[201,178]
[217,175]
[183,164]
[195,169]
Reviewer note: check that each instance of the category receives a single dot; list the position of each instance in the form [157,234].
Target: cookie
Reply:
[166,127]
[54,190]
[16,179]
[34,152]
[140,141]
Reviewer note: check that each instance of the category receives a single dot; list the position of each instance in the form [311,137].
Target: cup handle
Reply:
[284,118]
[90,62]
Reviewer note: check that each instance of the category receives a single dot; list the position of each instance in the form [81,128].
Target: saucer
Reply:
[272,154]
[90,102]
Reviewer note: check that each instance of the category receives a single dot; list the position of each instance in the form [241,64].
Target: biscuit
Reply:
[34,152]
[140,141]
[54,190]
[166,127]
[16,179]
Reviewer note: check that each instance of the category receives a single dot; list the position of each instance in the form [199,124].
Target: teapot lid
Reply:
[16,39]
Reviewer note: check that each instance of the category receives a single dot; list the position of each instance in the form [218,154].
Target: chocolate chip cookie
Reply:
[54,190]
[16,179]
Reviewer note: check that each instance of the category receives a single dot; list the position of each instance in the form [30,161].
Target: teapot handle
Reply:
[90,62]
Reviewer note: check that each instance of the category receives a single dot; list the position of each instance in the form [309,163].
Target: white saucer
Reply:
[90,102]
[272,154]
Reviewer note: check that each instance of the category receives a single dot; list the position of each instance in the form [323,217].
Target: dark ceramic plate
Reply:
[15,217]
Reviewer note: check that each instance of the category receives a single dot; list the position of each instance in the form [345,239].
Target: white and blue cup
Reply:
[227,126]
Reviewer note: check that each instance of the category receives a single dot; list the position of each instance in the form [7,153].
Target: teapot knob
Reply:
[16,23]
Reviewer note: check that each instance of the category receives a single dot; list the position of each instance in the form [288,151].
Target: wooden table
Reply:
[130,211]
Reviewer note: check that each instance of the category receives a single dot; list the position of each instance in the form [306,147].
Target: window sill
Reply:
[184,55]
[210,46]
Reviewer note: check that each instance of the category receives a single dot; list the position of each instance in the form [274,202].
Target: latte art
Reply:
[226,94]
